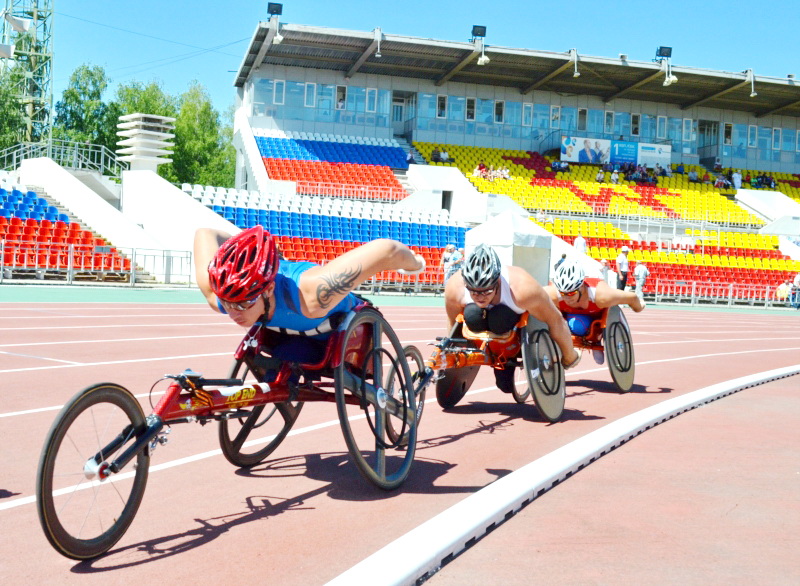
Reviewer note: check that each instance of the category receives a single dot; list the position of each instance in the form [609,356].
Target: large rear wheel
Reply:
[373,370]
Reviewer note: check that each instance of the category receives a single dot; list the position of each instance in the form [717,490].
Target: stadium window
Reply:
[372,99]
[776,138]
[798,142]
[311,95]
[555,116]
[341,97]
[469,113]
[527,114]
[752,136]
[279,92]
[687,129]
[582,115]
[661,127]
[608,123]
[636,124]
[441,106]
[499,111]
[727,136]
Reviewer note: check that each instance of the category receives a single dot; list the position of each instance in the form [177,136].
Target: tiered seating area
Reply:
[320,228]
[716,259]
[534,186]
[333,165]
[37,240]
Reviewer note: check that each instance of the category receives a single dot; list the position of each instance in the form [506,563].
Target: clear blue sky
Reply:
[177,41]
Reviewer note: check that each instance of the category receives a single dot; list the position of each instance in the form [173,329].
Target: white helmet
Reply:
[481,268]
[569,276]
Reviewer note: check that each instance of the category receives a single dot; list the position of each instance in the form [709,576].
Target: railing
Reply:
[72,155]
[77,262]
[363,192]
[699,292]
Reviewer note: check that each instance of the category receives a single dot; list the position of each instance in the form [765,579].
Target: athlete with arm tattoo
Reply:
[244,277]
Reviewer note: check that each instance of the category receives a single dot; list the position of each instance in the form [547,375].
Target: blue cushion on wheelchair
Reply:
[578,323]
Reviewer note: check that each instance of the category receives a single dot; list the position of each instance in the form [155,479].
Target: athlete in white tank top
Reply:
[505,294]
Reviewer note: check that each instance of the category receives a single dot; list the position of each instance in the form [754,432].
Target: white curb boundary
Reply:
[422,551]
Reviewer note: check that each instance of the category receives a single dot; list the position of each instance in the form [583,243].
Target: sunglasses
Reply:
[241,306]
[482,292]
[571,294]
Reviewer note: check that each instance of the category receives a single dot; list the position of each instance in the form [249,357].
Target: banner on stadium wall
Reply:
[597,150]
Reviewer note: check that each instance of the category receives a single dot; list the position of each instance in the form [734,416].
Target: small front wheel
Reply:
[84,510]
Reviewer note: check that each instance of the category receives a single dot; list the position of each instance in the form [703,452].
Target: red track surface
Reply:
[715,488]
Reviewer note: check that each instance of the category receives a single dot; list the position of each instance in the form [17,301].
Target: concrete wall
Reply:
[86,206]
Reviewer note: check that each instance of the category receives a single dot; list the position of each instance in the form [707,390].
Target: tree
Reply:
[12,123]
[81,114]
[203,153]
[136,97]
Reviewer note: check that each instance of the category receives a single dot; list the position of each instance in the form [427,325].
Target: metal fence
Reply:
[706,292]
[75,263]
[68,154]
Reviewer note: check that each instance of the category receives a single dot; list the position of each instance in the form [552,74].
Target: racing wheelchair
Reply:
[528,349]
[609,333]
[94,466]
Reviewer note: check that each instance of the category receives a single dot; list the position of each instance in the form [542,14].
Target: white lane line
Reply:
[569,373]
[69,362]
[84,326]
[111,340]
[110,362]
[97,316]
[190,459]
[421,552]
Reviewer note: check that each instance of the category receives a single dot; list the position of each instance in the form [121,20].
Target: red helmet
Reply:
[244,265]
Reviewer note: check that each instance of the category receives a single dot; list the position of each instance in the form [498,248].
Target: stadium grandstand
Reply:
[346,136]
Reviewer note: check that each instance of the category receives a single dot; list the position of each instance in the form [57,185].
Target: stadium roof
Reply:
[352,52]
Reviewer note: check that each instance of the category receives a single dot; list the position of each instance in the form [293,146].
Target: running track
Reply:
[709,496]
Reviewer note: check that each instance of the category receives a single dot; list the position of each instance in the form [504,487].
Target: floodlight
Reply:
[274,8]
[664,52]
[478,31]
[277,39]
[753,94]
[483,60]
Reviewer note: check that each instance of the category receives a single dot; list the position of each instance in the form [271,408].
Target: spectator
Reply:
[717,166]
[706,178]
[444,157]
[796,288]
[693,176]
[640,274]
[615,177]
[737,179]
[600,177]
[580,244]
[680,169]
[436,156]
[604,269]
[410,158]
[782,292]
[541,217]
[562,259]
[449,258]
[622,268]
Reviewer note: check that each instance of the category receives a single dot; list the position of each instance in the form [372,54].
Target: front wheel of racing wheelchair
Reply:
[373,382]
[618,347]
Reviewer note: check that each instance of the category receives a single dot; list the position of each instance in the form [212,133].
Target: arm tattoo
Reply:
[336,284]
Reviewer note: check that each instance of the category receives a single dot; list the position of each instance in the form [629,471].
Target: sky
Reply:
[175,42]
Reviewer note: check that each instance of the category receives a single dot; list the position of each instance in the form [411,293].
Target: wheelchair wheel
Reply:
[373,372]
[416,365]
[619,349]
[83,514]
[248,440]
[455,383]
[544,371]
